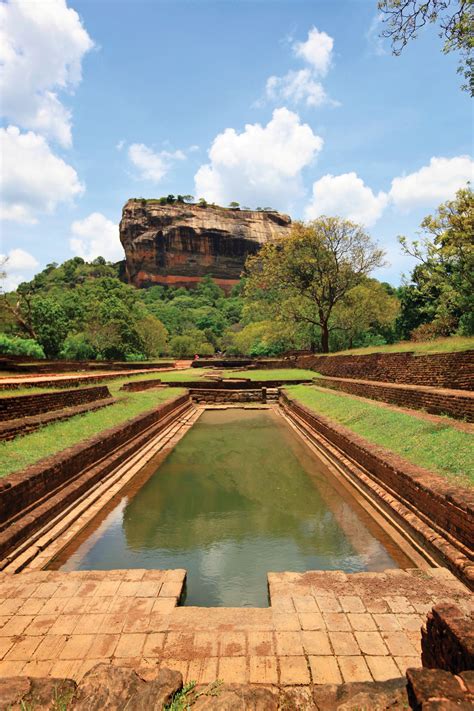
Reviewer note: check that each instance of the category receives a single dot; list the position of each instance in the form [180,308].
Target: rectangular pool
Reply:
[239,496]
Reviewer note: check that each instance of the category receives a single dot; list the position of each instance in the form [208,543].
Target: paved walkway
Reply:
[322,627]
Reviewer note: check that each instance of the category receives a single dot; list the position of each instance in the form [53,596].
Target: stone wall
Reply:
[36,494]
[449,508]
[12,408]
[460,406]
[442,370]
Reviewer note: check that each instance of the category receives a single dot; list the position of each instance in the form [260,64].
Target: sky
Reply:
[297,105]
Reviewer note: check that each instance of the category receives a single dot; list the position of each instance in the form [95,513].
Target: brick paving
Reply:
[321,627]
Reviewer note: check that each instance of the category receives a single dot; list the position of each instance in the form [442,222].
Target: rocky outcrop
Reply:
[178,244]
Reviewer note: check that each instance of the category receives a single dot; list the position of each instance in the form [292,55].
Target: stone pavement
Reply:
[321,627]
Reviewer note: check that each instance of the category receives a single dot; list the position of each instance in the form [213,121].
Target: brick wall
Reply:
[53,382]
[223,396]
[139,385]
[456,405]
[12,408]
[443,370]
[34,495]
[447,506]
[447,639]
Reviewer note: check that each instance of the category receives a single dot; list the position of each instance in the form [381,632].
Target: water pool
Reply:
[240,495]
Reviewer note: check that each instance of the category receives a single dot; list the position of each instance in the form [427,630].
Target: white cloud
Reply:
[303,86]
[17,260]
[296,87]
[33,180]
[373,36]
[261,165]
[152,166]
[347,196]
[120,145]
[432,184]
[42,46]
[96,236]
[316,51]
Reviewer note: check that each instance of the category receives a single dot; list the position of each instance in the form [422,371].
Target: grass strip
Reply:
[23,451]
[436,446]
[275,374]
[453,344]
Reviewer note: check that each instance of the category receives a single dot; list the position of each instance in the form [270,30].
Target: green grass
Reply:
[439,345]
[276,374]
[23,451]
[437,446]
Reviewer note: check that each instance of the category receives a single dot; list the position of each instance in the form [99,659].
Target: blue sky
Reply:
[297,105]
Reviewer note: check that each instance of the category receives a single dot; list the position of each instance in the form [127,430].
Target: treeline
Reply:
[313,290]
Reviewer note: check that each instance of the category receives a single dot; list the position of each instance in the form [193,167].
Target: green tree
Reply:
[234,204]
[308,273]
[405,18]
[442,284]
[366,309]
[50,325]
[153,336]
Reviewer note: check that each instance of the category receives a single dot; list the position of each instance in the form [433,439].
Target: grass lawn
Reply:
[440,345]
[276,374]
[22,451]
[439,447]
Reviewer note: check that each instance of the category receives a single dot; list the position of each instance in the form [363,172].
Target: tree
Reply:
[234,205]
[442,284]
[308,273]
[50,325]
[153,336]
[404,19]
[367,309]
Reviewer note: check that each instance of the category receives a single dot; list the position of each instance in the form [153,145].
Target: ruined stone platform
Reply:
[321,627]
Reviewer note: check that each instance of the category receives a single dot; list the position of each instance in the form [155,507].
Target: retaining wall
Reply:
[225,396]
[12,408]
[442,370]
[20,364]
[448,507]
[243,363]
[37,493]
[64,382]
[453,403]
[139,385]
[447,639]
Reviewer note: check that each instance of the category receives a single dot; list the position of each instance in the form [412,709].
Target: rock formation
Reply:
[178,244]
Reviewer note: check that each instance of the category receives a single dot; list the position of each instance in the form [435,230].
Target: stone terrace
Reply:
[322,627]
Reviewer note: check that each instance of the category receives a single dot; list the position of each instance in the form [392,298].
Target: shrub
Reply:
[13,345]
[187,346]
[78,347]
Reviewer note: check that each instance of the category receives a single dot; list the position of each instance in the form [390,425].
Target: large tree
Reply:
[443,280]
[404,19]
[307,274]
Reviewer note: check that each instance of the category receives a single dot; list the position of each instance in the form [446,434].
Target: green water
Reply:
[240,495]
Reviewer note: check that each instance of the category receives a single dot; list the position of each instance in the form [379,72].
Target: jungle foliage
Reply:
[311,291]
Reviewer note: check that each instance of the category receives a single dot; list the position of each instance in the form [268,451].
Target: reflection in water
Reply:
[239,496]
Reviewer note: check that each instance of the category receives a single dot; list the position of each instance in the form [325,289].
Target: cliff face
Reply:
[179,244]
